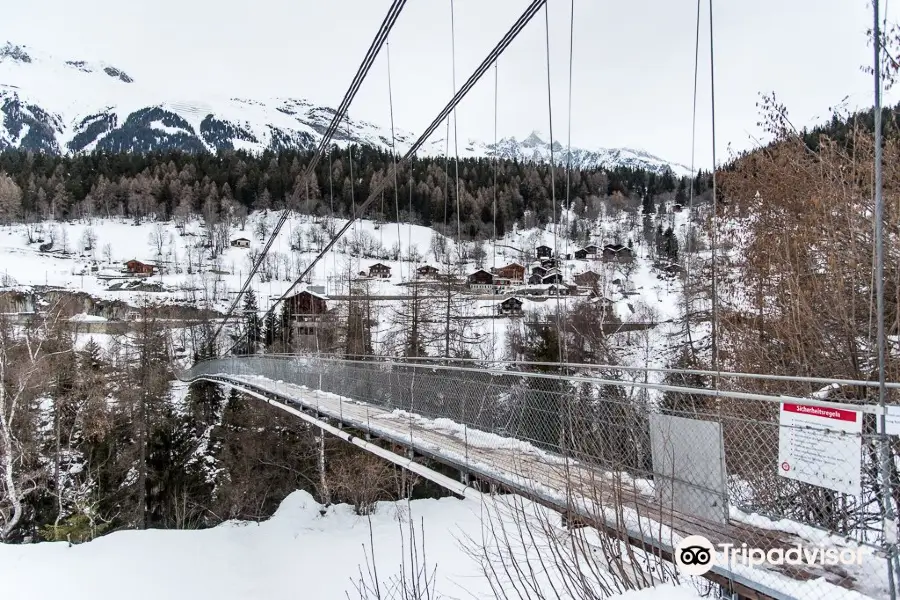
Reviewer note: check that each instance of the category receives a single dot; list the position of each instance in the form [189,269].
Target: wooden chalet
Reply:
[539,270]
[553,277]
[581,254]
[549,263]
[380,271]
[513,271]
[617,252]
[501,283]
[240,243]
[544,251]
[136,267]
[587,279]
[510,306]
[427,272]
[480,280]
[306,304]
[592,249]
[305,310]
[537,277]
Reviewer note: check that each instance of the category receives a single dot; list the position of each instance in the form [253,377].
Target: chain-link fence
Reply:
[737,465]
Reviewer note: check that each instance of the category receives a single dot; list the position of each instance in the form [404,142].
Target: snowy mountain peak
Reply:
[534,139]
[70,105]
[25,56]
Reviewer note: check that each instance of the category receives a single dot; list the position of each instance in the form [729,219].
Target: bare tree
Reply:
[89,239]
[22,369]
[64,240]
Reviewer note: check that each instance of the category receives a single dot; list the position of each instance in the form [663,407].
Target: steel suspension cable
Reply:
[890,522]
[565,356]
[386,25]
[394,157]
[560,334]
[715,219]
[498,50]
[455,130]
[494,210]
[689,245]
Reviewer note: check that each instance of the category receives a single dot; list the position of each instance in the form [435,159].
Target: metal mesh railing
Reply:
[736,465]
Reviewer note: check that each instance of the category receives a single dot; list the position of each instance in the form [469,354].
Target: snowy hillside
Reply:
[186,275]
[66,104]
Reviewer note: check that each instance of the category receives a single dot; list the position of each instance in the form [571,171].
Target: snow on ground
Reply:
[296,554]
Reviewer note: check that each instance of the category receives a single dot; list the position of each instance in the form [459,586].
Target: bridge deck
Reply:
[564,484]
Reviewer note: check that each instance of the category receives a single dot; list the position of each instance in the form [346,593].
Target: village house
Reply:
[592,250]
[549,263]
[581,254]
[136,267]
[427,272]
[553,277]
[538,276]
[617,252]
[480,280]
[501,284]
[510,306]
[544,251]
[380,271]
[513,271]
[240,243]
[305,310]
[587,279]
[539,270]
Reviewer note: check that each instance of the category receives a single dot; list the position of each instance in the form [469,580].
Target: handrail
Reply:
[718,393]
[593,366]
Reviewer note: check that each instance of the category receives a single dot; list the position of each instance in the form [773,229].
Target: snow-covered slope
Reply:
[295,554]
[64,105]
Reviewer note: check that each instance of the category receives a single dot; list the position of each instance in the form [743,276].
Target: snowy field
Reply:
[295,554]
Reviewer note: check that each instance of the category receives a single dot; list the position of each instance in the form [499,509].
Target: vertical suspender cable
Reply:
[560,334]
[689,243]
[394,157]
[565,352]
[715,221]
[331,194]
[455,130]
[890,523]
[446,237]
[494,212]
[352,179]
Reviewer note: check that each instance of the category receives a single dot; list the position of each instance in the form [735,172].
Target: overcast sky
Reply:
[633,61]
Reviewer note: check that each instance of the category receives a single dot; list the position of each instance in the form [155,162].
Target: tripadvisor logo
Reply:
[696,555]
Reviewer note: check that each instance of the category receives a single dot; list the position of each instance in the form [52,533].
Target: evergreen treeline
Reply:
[166,184]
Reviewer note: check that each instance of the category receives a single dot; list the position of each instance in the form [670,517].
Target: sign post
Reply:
[821,446]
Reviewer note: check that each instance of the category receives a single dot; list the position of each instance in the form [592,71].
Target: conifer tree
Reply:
[253,325]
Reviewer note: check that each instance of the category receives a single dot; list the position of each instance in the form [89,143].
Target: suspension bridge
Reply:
[609,447]
[593,453]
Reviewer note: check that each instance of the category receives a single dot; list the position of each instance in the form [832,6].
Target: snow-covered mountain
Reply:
[66,105]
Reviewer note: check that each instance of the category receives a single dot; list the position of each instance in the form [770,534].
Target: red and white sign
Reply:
[821,446]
